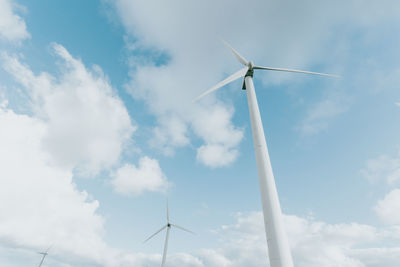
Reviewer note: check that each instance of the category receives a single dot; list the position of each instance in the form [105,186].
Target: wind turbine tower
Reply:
[168,226]
[278,246]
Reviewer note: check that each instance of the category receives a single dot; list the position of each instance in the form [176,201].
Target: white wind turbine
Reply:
[278,247]
[168,226]
[44,255]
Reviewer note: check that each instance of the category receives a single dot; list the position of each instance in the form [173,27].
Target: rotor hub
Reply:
[250,65]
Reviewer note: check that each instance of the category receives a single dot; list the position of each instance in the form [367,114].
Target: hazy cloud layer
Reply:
[320,115]
[383,168]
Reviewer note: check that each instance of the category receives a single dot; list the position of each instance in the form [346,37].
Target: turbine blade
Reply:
[235,76]
[167,212]
[180,227]
[298,71]
[155,233]
[236,54]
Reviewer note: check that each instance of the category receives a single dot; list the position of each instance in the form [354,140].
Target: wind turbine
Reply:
[168,226]
[278,246]
[44,255]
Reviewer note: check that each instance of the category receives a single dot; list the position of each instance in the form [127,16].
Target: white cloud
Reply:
[216,155]
[12,26]
[171,133]
[377,257]
[76,122]
[313,244]
[320,244]
[177,114]
[186,56]
[87,124]
[184,259]
[221,137]
[320,114]
[388,209]
[383,168]
[397,104]
[43,205]
[148,176]
[387,169]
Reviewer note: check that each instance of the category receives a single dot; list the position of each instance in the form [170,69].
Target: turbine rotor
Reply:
[248,70]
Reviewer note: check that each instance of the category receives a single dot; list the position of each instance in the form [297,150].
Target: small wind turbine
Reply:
[278,247]
[168,226]
[44,255]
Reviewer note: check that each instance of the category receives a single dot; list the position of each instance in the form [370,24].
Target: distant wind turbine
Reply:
[44,255]
[278,247]
[168,226]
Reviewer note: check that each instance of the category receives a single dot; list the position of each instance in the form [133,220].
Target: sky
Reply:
[98,129]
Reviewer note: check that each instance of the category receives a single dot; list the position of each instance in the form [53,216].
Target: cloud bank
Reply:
[76,124]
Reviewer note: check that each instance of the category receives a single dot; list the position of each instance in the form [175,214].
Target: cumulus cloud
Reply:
[87,124]
[12,26]
[388,208]
[75,122]
[177,114]
[147,176]
[43,196]
[220,136]
[216,155]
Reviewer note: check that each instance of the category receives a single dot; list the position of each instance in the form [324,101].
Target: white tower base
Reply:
[278,246]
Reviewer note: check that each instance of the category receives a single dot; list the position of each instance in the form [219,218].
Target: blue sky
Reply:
[98,127]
